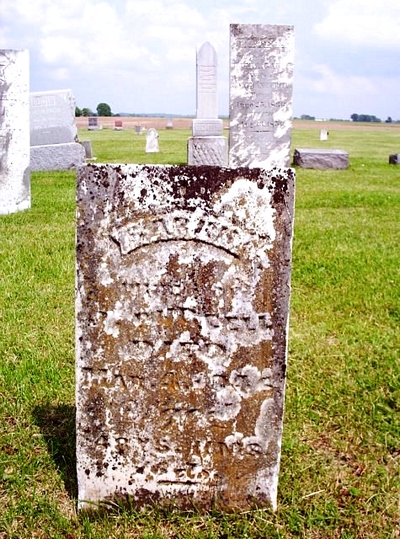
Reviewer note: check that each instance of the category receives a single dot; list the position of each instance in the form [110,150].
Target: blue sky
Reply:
[140,55]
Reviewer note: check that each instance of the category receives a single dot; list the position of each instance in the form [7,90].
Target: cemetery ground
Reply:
[340,469]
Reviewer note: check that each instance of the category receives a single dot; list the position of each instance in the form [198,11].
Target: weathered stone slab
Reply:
[394,159]
[321,159]
[261,81]
[57,156]
[211,127]
[93,123]
[206,82]
[14,131]
[208,151]
[183,282]
[52,117]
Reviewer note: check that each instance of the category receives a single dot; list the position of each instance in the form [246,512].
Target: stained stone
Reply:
[14,131]
[208,151]
[321,159]
[211,127]
[261,75]
[183,283]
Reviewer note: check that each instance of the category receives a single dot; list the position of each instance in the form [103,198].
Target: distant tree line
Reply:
[103,109]
[365,118]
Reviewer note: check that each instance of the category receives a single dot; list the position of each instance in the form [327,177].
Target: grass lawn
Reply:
[340,471]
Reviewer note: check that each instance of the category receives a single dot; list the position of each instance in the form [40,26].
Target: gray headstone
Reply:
[183,282]
[14,131]
[93,123]
[87,145]
[261,74]
[152,141]
[206,83]
[320,158]
[52,116]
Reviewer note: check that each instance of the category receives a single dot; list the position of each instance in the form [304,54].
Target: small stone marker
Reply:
[118,125]
[320,158]
[169,124]
[323,134]
[207,146]
[14,131]
[261,74]
[138,129]
[183,283]
[87,144]
[54,136]
[152,141]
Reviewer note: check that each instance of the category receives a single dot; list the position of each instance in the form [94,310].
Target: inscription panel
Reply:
[261,74]
[52,117]
[182,308]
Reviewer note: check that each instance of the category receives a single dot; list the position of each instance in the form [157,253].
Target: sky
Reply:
[139,56]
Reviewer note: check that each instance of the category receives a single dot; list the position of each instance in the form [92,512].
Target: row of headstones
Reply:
[94,125]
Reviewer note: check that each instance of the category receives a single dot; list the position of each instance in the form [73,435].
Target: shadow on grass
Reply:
[57,425]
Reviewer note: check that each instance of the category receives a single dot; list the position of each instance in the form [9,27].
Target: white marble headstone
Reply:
[261,74]
[206,103]
[152,141]
[14,131]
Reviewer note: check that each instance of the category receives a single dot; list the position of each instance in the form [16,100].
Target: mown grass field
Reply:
[340,470]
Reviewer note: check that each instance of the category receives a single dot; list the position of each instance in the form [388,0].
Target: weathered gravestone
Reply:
[152,141]
[183,283]
[14,131]
[118,125]
[320,159]
[207,146]
[261,75]
[54,137]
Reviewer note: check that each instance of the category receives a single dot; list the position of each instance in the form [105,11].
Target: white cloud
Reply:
[327,81]
[370,23]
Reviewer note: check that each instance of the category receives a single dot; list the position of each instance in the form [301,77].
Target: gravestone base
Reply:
[321,159]
[208,151]
[394,159]
[16,198]
[57,156]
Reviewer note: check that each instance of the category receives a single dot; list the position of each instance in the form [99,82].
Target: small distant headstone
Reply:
[138,129]
[320,158]
[183,284]
[323,134]
[152,141]
[93,123]
[394,159]
[87,144]
[118,125]
[54,139]
[169,124]
[261,84]
[14,131]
